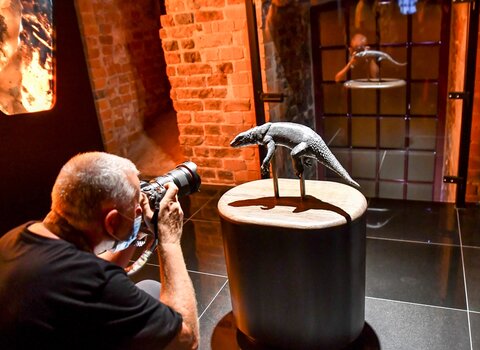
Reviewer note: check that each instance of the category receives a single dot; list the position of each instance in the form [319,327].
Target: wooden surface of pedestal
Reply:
[296,267]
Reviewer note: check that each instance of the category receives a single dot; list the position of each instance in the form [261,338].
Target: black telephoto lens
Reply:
[184,176]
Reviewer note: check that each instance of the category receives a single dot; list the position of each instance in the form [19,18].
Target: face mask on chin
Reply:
[121,245]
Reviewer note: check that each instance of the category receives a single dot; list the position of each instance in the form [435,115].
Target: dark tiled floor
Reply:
[420,255]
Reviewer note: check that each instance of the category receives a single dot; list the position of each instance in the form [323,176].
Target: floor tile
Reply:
[472,274]
[403,326]
[469,218]
[210,319]
[412,221]
[475,324]
[415,272]
[206,286]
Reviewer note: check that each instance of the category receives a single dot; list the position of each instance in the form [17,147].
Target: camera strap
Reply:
[142,260]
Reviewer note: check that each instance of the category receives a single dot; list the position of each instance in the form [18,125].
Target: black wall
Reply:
[33,147]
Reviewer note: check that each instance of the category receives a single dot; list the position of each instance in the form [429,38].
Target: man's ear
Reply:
[111,221]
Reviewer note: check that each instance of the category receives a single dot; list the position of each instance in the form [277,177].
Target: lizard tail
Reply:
[326,157]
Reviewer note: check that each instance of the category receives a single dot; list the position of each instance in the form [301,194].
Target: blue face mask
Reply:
[121,245]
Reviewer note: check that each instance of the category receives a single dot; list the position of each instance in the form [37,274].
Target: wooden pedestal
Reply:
[296,267]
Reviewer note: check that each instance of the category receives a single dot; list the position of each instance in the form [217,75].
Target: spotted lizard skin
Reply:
[303,142]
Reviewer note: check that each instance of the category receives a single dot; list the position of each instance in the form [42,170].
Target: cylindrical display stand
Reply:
[296,267]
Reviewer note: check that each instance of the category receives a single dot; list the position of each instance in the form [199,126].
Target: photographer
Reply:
[56,292]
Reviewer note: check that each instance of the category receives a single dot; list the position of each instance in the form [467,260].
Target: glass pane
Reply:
[392,24]
[421,166]
[367,187]
[363,19]
[363,101]
[425,62]
[334,99]
[391,190]
[331,28]
[26,57]
[342,155]
[336,131]
[332,62]
[392,133]
[364,132]
[392,70]
[424,98]
[364,163]
[423,133]
[360,70]
[392,101]
[426,22]
[420,192]
[392,165]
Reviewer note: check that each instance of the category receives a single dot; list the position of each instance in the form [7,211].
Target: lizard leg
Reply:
[268,141]
[297,152]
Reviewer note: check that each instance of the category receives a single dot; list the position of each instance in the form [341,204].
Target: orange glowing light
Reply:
[26,56]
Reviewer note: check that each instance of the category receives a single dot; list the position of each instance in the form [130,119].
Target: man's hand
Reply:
[170,217]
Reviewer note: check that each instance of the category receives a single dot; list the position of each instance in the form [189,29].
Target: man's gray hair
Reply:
[89,181]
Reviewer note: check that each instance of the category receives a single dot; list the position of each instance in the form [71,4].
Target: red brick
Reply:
[234,164]
[212,129]
[217,79]
[208,117]
[234,106]
[225,68]
[190,140]
[184,18]
[195,68]
[207,16]
[188,105]
[213,104]
[192,57]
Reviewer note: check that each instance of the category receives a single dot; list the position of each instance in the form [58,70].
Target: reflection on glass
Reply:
[26,50]
[392,165]
[364,163]
[392,190]
[332,61]
[426,22]
[392,101]
[424,98]
[335,131]
[421,166]
[367,188]
[419,192]
[364,132]
[364,101]
[423,133]
[392,24]
[363,19]
[332,28]
[334,99]
[389,70]
[392,133]
[425,60]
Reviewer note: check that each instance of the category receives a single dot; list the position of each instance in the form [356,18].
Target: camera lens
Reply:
[184,176]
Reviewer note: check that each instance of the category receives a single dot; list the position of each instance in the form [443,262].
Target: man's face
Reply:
[128,217]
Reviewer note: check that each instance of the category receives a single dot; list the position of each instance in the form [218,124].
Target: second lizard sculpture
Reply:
[302,140]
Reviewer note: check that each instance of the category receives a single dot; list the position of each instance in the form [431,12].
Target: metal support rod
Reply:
[302,186]
[275,178]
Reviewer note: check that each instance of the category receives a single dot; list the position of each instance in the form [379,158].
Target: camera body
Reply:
[184,176]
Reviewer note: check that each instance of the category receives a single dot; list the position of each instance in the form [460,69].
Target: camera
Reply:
[184,176]
[187,180]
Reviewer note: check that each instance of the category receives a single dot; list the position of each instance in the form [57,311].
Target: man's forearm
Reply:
[177,289]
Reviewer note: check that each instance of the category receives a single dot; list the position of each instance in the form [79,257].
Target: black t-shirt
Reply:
[55,296]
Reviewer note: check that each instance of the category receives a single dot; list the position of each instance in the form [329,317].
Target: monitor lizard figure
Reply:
[302,140]
[377,55]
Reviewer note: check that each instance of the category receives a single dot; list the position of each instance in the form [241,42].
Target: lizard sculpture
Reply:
[302,140]
[378,55]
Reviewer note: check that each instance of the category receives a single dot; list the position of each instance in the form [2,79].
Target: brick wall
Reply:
[206,51]
[127,67]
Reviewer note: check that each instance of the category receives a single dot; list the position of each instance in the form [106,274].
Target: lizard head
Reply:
[245,138]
